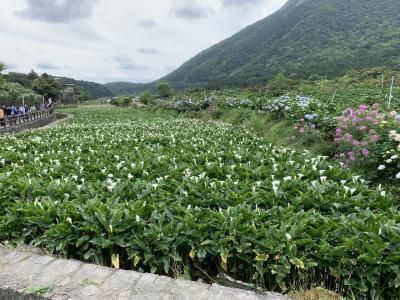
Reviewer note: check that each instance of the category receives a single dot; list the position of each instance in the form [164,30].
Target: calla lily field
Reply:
[188,198]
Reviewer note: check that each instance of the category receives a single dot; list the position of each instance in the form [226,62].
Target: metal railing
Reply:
[20,119]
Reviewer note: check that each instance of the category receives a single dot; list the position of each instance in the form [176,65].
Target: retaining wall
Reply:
[33,124]
[27,276]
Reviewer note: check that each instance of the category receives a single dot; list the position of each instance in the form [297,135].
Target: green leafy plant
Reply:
[134,190]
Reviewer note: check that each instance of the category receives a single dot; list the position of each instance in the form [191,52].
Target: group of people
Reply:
[21,111]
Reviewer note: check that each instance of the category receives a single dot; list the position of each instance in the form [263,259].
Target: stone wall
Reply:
[27,276]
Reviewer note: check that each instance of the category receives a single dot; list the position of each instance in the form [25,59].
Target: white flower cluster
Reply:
[295,107]
[394,136]
[392,157]
[237,103]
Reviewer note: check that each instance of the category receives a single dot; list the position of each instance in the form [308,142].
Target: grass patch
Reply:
[316,294]
[39,290]
[89,282]
[264,124]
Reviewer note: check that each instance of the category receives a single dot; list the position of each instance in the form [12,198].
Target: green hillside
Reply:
[93,89]
[303,38]
[126,88]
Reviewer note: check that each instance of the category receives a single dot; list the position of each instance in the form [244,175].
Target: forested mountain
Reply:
[93,89]
[126,88]
[303,38]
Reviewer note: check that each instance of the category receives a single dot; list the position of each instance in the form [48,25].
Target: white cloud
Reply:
[104,40]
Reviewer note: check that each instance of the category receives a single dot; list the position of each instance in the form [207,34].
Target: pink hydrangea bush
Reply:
[369,140]
[307,132]
[357,132]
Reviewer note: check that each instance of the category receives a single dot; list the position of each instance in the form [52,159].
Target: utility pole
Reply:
[334,96]
[382,81]
[391,93]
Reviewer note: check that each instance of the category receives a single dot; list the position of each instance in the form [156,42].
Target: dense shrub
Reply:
[123,101]
[295,108]
[358,133]
[146,98]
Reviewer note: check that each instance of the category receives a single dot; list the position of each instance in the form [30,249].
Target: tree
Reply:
[146,98]
[83,95]
[12,93]
[47,86]
[123,101]
[2,80]
[20,78]
[164,90]
[279,85]
[32,76]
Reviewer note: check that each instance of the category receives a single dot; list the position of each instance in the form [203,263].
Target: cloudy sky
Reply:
[118,40]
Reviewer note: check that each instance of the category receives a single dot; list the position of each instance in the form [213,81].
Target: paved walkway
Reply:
[45,277]
[61,120]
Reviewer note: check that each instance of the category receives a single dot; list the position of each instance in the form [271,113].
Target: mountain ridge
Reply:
[126,88]
[303,38]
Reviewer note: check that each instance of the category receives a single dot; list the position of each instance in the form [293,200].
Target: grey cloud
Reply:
[149,51]
[48,66]
[240,2]
[146,23]
[127,63]
[57,11]
[191,10]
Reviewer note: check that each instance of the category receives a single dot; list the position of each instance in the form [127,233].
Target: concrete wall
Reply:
[31,125]
[46,277]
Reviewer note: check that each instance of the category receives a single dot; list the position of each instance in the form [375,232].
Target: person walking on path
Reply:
[8,115]
[14,112]
[50,103]
[2,115]
[21,113]
[26,111]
